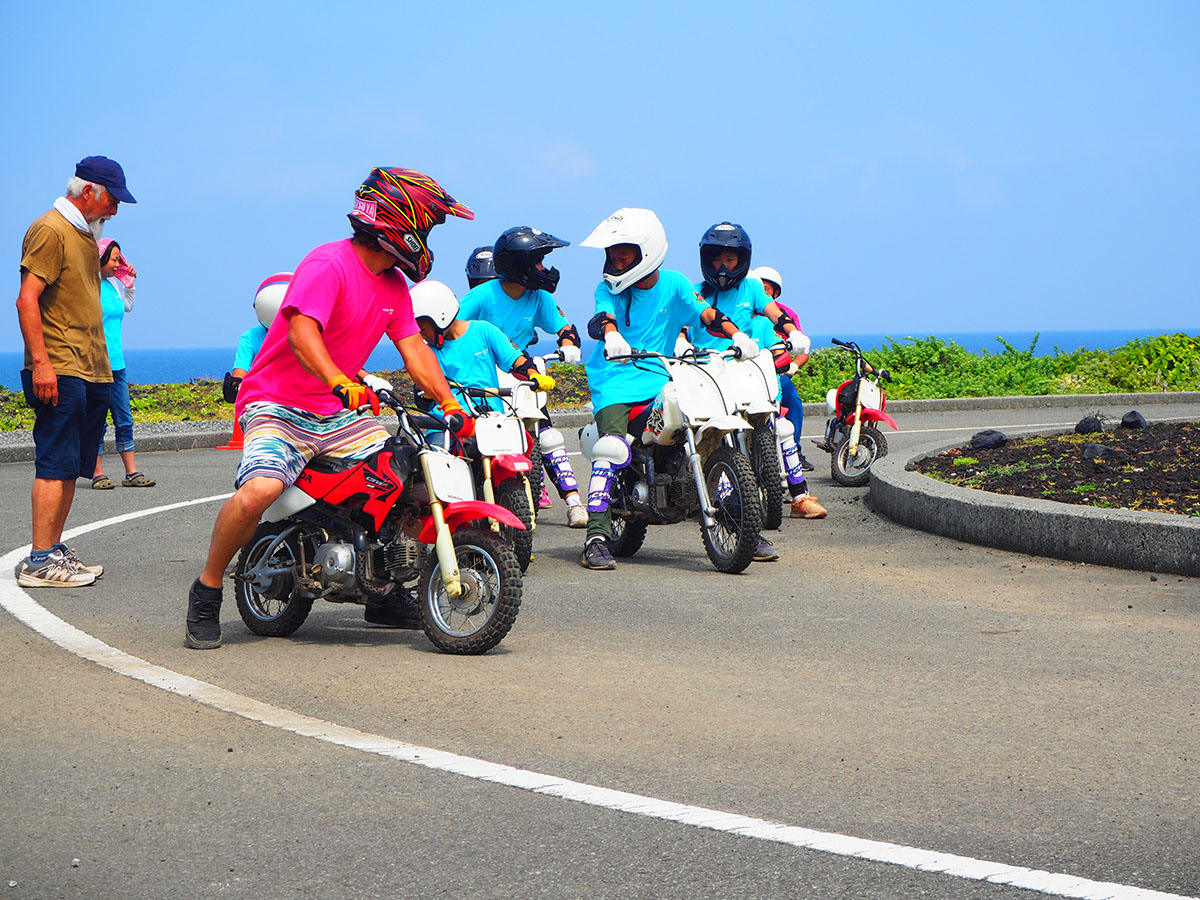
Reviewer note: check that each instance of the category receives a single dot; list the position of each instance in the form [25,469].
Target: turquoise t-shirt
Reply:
[519,319]
[473,358]
[112,307]
[741,304]
[648,320]
[248,346]
[763,333]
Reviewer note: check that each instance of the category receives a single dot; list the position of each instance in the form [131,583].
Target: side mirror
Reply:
[885,375]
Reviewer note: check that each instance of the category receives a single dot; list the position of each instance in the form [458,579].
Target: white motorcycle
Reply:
[677,463]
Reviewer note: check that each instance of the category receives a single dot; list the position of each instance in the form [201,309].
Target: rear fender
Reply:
[458,514]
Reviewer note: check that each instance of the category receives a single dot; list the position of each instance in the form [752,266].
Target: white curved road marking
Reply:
[70,638]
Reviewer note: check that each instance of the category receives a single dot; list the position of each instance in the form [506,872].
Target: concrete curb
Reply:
[1128,539]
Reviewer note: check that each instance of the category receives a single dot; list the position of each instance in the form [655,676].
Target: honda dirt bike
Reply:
[351,531]
[530,408]
[680,465]
[500,463]
[851,436]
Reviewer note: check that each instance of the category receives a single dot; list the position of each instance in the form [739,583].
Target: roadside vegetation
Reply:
[921,369]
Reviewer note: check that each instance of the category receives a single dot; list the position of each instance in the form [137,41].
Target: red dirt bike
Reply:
[851,438]
[350,531]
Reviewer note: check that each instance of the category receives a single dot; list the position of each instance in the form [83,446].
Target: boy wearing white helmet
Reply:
[469,353]
[267,300]
[638,306]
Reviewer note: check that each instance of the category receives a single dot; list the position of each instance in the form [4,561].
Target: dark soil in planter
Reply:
[1155,468]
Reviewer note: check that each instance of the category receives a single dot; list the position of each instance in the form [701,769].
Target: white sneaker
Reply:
[576,516]
[56,571]
[73,559]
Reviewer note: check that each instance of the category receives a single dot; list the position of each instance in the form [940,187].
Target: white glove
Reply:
[615,345]
[744,344]
[570,354]
[375,383]
[798,342]
[682,345]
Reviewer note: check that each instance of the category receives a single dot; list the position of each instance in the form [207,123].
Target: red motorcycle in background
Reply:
[350,531]
[851,437]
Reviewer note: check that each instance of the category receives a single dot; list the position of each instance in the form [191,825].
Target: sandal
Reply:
[102,483]
[137,479]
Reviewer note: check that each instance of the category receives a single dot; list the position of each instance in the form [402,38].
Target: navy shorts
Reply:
[66,435]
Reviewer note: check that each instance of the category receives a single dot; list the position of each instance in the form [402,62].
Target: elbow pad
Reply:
[715,327]
[784,319]
[596,323]
[570,333]
[524,368]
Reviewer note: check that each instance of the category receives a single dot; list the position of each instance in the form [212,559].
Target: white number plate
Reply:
[497,435]
[870,395]
[449,477]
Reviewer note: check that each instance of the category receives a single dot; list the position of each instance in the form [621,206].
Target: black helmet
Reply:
[724,236]
[479,266]
[518,251]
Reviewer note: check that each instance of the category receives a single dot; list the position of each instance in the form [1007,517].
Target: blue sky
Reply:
[910,168]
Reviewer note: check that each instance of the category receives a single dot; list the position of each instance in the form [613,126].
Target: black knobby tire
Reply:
[483,614]
[537,475]
[511,495]
[628,535]
[855,471]
[733,490]
[764,452]
[268,603]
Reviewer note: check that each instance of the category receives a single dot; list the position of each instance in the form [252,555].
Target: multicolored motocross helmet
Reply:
[399,207]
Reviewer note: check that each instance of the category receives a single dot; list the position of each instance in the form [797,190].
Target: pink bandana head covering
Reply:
[122,272]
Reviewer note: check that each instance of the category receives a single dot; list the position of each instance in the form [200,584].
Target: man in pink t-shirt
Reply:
[299,401]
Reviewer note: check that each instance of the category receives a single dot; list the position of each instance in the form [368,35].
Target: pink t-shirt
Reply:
[354,307]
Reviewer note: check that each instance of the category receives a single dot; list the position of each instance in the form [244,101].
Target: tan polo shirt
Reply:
[72,323]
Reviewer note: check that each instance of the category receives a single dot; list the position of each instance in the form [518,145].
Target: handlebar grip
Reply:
[428,423]
[840,343]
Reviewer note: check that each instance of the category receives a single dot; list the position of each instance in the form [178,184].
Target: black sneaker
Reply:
[399,610]
[203,631]
[765,551]
[805,465]
[596,554]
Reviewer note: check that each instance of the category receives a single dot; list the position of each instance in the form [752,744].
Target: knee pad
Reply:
[550,439]
[610,454]
[784,429]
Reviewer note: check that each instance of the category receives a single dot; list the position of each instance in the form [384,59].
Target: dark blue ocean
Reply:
[179,365]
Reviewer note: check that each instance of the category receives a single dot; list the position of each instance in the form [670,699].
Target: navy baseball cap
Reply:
[107,172]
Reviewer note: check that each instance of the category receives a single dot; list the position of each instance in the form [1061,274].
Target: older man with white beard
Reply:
[66,377]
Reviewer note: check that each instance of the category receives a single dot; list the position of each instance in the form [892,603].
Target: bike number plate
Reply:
[499,435]
[869,395]
[450,478]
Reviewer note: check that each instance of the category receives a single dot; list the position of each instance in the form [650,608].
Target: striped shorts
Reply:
[281,440]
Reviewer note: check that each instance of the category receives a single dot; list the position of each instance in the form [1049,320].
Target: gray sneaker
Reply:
[56,571]
[73,559]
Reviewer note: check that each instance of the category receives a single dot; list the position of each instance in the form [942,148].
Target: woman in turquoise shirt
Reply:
[116,299]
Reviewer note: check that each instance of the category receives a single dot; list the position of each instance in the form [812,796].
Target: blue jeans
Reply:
[122,414]
[791,399]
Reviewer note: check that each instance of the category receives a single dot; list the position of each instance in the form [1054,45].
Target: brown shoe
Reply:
[807,507]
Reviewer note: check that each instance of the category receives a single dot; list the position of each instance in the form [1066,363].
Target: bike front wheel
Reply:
[733,490]
[855,471]
[764,450]
[478,618]
[511,495]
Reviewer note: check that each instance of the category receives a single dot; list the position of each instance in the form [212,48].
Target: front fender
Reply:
[509,465]
[458,514]
[723,425]
[874,415]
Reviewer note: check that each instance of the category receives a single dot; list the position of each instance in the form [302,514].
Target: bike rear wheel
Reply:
[265,582]
[855,471]
[478,619]
[628,535]
[511,495]
[732,488]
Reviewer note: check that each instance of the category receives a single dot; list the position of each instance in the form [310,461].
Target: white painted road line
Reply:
[21,605]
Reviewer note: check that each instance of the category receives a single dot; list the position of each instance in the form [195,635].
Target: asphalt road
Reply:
[877,683]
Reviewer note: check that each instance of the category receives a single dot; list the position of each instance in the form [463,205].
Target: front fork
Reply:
[489,494]
[855,430]
[707,510]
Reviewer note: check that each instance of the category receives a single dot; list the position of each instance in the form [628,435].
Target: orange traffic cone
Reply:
[236,442]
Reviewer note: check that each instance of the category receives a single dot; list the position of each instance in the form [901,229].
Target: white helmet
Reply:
[766,273]
[639,227]
[434,301]
[269,297]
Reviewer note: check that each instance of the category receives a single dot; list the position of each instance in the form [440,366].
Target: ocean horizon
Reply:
[178,365]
